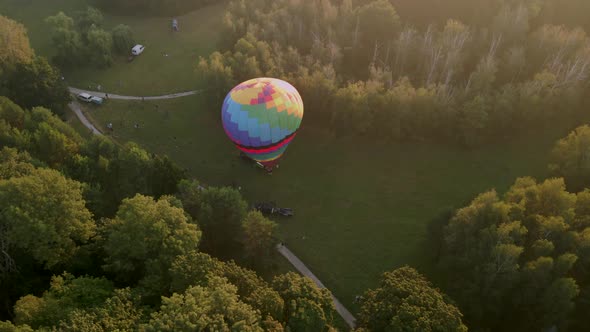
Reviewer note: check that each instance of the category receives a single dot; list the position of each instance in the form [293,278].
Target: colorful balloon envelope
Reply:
[261,116]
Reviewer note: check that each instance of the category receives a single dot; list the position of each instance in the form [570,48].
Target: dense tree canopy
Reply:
[37,83]
[571,158]
[214,307]
[81,40]
[366,70]
[143,239]
[514,261]
[43,214]
[220,212]
[307,307]
[259,235]
[65,295]
[406,301]
[123,39]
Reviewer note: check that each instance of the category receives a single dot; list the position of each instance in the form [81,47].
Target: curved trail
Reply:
[75,107]
[114,96]
[298,264]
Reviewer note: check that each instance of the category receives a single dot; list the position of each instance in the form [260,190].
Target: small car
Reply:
[137,49]
[88,98]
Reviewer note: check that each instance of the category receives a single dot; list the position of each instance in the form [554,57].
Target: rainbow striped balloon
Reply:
[261,116]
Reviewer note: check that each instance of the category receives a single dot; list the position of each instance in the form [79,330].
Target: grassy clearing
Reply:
[361,207]
[151,73]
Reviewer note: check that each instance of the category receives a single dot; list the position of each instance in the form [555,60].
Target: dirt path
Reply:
[75,107]
[114,96]
[298,264]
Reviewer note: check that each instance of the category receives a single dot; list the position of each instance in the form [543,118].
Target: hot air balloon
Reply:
[261,117]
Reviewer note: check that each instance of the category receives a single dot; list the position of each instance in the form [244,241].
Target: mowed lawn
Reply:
[361,208]
[167,65]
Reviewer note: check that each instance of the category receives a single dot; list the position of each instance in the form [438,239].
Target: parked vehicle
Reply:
[271,208]
[137,49]
[88,98]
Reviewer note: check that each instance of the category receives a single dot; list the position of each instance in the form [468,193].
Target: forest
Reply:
[96,235]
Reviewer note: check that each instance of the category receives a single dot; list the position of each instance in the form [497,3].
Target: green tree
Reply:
[128,171]
[53,146]
[406,301]
[522,248]
[570,158]
[317,88]
[354,114]
[374,27]
[164,176]
[220,215]
[37,83]
[143,239]
[7,326]
[259,235]
[99,47]
[214,307]
[216,75]
[44,214]
[307,307]
[118,313]
[122,39]
[66,40]
[65,295]
[194,268]
[472,122]
[189,192]
[88,19]
[14,163]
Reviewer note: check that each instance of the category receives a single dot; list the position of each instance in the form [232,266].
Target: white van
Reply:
[137,49]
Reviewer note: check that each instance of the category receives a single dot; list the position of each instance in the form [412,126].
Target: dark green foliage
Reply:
[118,313]
[81,40]
[65,295]
[37,83]
[122,39]
[307,307]
[259,237]
[510,261]
[87,20]
[406,301]
[99,47]
[43,216]
[66,39]
[219,212]
[571,158]
[215,306]
[144,238]
[192,269]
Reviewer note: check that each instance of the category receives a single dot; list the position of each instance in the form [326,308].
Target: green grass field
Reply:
[361,208]
[151,73]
